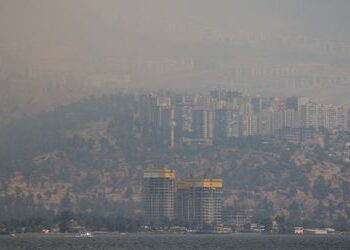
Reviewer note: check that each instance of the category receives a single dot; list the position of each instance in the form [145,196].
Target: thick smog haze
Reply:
[57,52]
[190,124]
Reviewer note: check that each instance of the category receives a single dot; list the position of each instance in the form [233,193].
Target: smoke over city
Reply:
[175,116]
[54,52]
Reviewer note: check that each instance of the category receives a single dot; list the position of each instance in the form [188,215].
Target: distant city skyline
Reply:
[224,114]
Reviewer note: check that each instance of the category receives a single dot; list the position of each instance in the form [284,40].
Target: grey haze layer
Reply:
[56,52]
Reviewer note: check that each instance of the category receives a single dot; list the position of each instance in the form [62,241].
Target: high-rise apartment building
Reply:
[292,119]
[155,111]
[200,202]
[264,123]
[203,123]
[148,109]
[249,125]
[227,123]
[341,117]
[184,119]
[257,103]
[347,152]
[295,102]
[165,113]
[323,116]
[159,194]
[277,121]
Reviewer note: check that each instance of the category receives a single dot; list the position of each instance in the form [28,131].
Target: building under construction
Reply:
[159,195]
[200,202]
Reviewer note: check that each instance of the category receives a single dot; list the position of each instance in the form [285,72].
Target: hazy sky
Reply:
[66,20]
[80,36]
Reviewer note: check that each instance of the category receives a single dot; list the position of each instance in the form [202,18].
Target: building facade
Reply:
[159,195]
[203,123]
[323,116]
[200,202]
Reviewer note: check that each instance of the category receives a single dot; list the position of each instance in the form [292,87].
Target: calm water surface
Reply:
[156,241]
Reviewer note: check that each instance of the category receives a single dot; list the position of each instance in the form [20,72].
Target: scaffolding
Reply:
[159,195]
[200,202]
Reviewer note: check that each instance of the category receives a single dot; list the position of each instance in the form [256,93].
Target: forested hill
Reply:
[62,159]
[89,157]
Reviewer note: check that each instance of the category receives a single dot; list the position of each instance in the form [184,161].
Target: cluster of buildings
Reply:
[196,203]
[225,114]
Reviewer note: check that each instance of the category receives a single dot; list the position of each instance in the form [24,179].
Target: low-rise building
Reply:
[298,230]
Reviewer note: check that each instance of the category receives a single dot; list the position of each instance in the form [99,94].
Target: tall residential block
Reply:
[264,123]
[292,119]
[200,202]
[327,116]
[347,152]
[159,194]
[203,123]
[296,102]
[227,123]
[147,109]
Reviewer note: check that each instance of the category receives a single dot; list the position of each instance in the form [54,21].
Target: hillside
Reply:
[89,157]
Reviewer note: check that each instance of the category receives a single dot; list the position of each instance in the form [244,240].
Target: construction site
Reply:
[196,202]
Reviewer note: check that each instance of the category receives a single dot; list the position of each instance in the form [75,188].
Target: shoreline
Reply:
[101,234]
